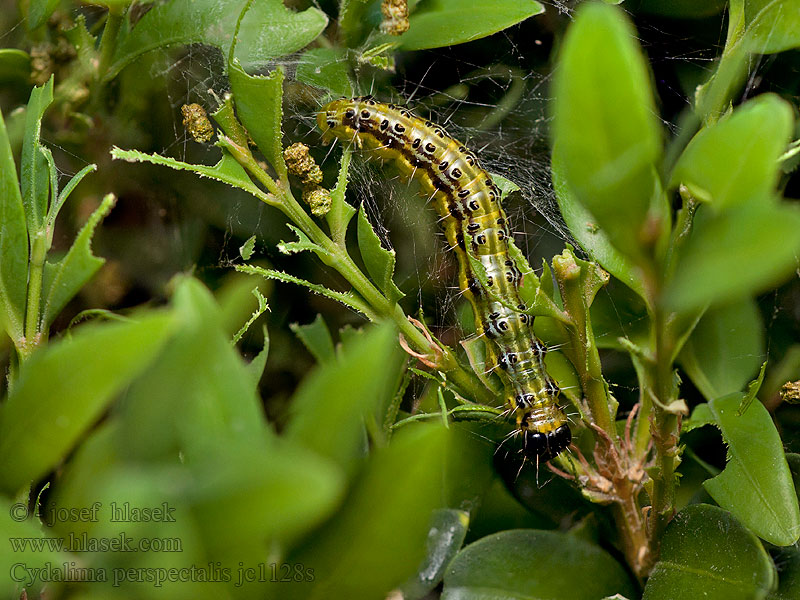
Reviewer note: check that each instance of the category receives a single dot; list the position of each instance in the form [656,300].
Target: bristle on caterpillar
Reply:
[476,227]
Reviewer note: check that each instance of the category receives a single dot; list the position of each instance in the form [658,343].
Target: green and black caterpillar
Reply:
[477,229]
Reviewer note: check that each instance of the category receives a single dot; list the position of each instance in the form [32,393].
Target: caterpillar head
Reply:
[540,447]
[339,119]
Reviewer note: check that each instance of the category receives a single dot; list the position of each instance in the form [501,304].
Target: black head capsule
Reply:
[541,447]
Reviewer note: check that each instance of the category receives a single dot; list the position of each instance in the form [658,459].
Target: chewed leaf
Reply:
[756,484]
[302,244]
[316,337]
[64,194]
[260,310]
[255,368]
[341,212]
[246,250]
[507,187]
[227,170]
[378,260]
[62,280]
[350,299]
[530,281]
[259,106]
[34,172]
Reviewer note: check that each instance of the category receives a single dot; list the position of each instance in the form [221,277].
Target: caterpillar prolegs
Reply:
[476,227]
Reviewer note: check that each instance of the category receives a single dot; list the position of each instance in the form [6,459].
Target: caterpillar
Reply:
[477,229]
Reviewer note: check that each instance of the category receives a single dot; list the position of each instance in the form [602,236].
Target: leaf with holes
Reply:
[378,260]
[65,278]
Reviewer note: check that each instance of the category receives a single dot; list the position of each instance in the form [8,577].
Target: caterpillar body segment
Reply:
[476,227]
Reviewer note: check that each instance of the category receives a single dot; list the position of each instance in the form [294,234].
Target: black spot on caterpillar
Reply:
[475,227]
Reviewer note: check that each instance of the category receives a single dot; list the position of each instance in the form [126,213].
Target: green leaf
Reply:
[39,11]
[706,553]
[64,194]
[341,212]
[378,260]
[64,279]
[735,161]
[268,30]
[260,310]
[303,244]
[756,485]
[771,25]
[20,562]
[15,67]
[245,494]
[62,390]
[448,528]
[34,173]
[529,288]
[350,556]
[588,234]
[13,243]
[326,68]
[606,128]
[316,337]
[255,367]
[345,392]
[352,21]
[507,187]
[725,349]
[246,250]
[350,299]
[524,564]
[259,106]
[734,255]
[448,22]
[199,376]
[227,170]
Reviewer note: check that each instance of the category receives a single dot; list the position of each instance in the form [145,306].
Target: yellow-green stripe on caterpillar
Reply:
[476,227]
